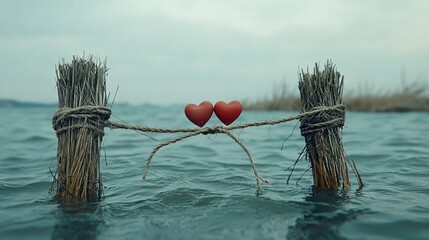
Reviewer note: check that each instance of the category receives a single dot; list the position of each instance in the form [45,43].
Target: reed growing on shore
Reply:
[413,97]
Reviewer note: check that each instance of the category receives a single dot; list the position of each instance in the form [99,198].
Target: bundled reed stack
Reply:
[324,148]
[79,125]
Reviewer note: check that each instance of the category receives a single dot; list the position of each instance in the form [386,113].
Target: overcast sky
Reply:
[188,51]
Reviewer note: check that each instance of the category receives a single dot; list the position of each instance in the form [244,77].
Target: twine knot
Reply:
[322,117]
[91,117]
[213,130]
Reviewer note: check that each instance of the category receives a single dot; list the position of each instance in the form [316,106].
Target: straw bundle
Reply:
[81,84]
[324,147]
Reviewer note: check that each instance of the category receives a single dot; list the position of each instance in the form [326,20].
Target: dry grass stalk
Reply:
[324,147]
[81,83]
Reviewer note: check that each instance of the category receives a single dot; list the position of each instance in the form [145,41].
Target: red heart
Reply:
[227,113]
[200,114]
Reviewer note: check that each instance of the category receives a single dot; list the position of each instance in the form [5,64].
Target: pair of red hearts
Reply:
[201,114]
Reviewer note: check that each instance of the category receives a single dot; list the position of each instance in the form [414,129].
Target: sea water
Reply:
[204,187]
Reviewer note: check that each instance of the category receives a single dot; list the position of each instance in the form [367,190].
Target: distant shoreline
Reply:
[10,103]
[394,102]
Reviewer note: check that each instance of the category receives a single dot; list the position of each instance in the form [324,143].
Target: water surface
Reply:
[204,188]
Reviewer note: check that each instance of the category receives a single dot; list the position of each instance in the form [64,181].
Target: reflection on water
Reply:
[77,221]
[328,212]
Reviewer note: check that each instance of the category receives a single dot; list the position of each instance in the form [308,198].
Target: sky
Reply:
[176,52]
